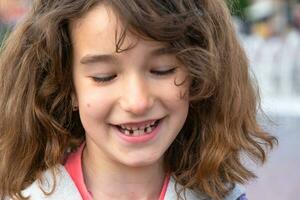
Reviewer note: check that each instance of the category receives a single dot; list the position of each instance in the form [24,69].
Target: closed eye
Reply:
[104,78]
[163,72]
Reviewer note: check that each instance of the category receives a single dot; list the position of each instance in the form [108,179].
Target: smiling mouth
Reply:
[138,131]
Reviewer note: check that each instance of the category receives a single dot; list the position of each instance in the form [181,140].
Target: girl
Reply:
[115,99]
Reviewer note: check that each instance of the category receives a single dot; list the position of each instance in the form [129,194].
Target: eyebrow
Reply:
[163,51]
[89,59]
[110,58]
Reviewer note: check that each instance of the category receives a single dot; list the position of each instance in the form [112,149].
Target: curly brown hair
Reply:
[38,126]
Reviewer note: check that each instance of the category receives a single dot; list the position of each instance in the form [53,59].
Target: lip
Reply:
[140,123]
[143,138]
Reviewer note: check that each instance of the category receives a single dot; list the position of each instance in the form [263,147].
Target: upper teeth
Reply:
[134,128]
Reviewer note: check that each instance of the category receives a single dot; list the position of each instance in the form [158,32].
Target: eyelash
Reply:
[158,73]
[164,72]
[104,79]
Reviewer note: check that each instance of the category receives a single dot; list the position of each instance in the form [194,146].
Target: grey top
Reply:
[66,190]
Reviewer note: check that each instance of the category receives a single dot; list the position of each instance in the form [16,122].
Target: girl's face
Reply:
[128,103]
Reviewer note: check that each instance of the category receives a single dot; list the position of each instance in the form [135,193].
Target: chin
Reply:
[143,161]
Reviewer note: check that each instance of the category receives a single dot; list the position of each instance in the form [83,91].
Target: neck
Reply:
[111,180]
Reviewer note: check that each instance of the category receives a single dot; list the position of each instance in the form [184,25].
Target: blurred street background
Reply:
[270,33]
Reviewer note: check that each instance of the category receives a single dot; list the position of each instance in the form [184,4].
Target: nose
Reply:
[136,96]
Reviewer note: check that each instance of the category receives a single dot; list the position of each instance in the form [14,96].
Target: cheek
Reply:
[93,116]
[176,101]
[178,92]
[94,106]
[181,85]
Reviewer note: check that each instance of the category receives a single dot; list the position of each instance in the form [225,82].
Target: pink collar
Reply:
[73,166]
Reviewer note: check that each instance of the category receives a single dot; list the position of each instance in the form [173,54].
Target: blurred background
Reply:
[270,33]
[269,30]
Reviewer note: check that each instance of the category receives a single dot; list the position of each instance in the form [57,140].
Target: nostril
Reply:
[137,106]
[136,99]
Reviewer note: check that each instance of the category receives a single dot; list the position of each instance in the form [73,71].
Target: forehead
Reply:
[99,21]
[101,15]
[98,31]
